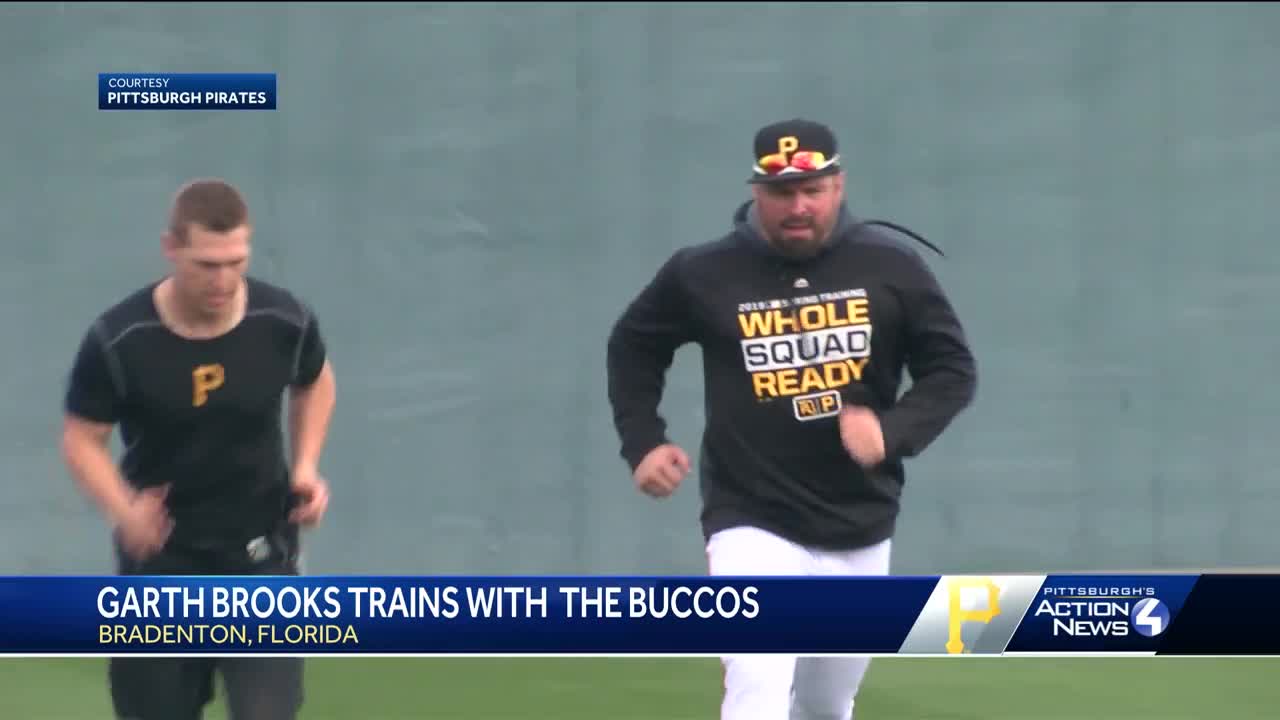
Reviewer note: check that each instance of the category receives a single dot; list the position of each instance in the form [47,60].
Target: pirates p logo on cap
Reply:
[794,150]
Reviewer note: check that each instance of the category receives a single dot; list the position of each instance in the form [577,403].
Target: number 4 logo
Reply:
[1150,617]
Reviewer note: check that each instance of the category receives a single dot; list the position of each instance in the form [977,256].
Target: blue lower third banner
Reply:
[186,91]
[617,616]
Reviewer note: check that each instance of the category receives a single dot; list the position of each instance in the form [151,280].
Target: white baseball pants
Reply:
[789,688]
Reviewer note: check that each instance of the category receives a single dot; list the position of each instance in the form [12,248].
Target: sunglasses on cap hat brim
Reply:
[801,165]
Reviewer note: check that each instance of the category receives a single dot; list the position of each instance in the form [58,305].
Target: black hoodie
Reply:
[785,345]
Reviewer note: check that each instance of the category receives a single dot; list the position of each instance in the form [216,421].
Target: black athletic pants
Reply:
[257,688]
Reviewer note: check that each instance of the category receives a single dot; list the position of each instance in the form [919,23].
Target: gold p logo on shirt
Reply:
[204,380]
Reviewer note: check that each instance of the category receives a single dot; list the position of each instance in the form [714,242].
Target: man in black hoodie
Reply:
[807,318]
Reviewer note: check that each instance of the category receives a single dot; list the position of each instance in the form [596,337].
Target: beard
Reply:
[798,238]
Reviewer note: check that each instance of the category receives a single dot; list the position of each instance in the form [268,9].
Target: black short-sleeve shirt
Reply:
[203,416]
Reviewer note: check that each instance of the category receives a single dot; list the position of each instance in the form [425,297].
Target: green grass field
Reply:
[683,689]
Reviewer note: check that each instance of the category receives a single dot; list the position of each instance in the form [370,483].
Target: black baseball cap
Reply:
[793,150]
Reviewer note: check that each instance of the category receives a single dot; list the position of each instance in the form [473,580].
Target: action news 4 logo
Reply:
[1103,612]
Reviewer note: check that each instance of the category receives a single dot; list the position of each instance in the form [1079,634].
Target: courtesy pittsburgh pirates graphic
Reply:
[806,348]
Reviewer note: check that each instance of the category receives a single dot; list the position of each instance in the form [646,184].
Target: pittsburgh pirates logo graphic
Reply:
[957,615]
[786,146]
[204,380]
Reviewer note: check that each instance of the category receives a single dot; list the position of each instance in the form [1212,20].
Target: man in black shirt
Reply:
[194,369]
[806,317]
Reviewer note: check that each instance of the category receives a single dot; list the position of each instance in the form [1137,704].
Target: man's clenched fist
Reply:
[660,472]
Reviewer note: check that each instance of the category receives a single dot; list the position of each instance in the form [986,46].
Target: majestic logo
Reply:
[258,549]
[806,348]
[204,380]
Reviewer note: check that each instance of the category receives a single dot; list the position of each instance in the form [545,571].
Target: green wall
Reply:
[469,195]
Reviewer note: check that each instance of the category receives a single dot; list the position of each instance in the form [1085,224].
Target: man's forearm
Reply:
[310,410]
[94,469]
